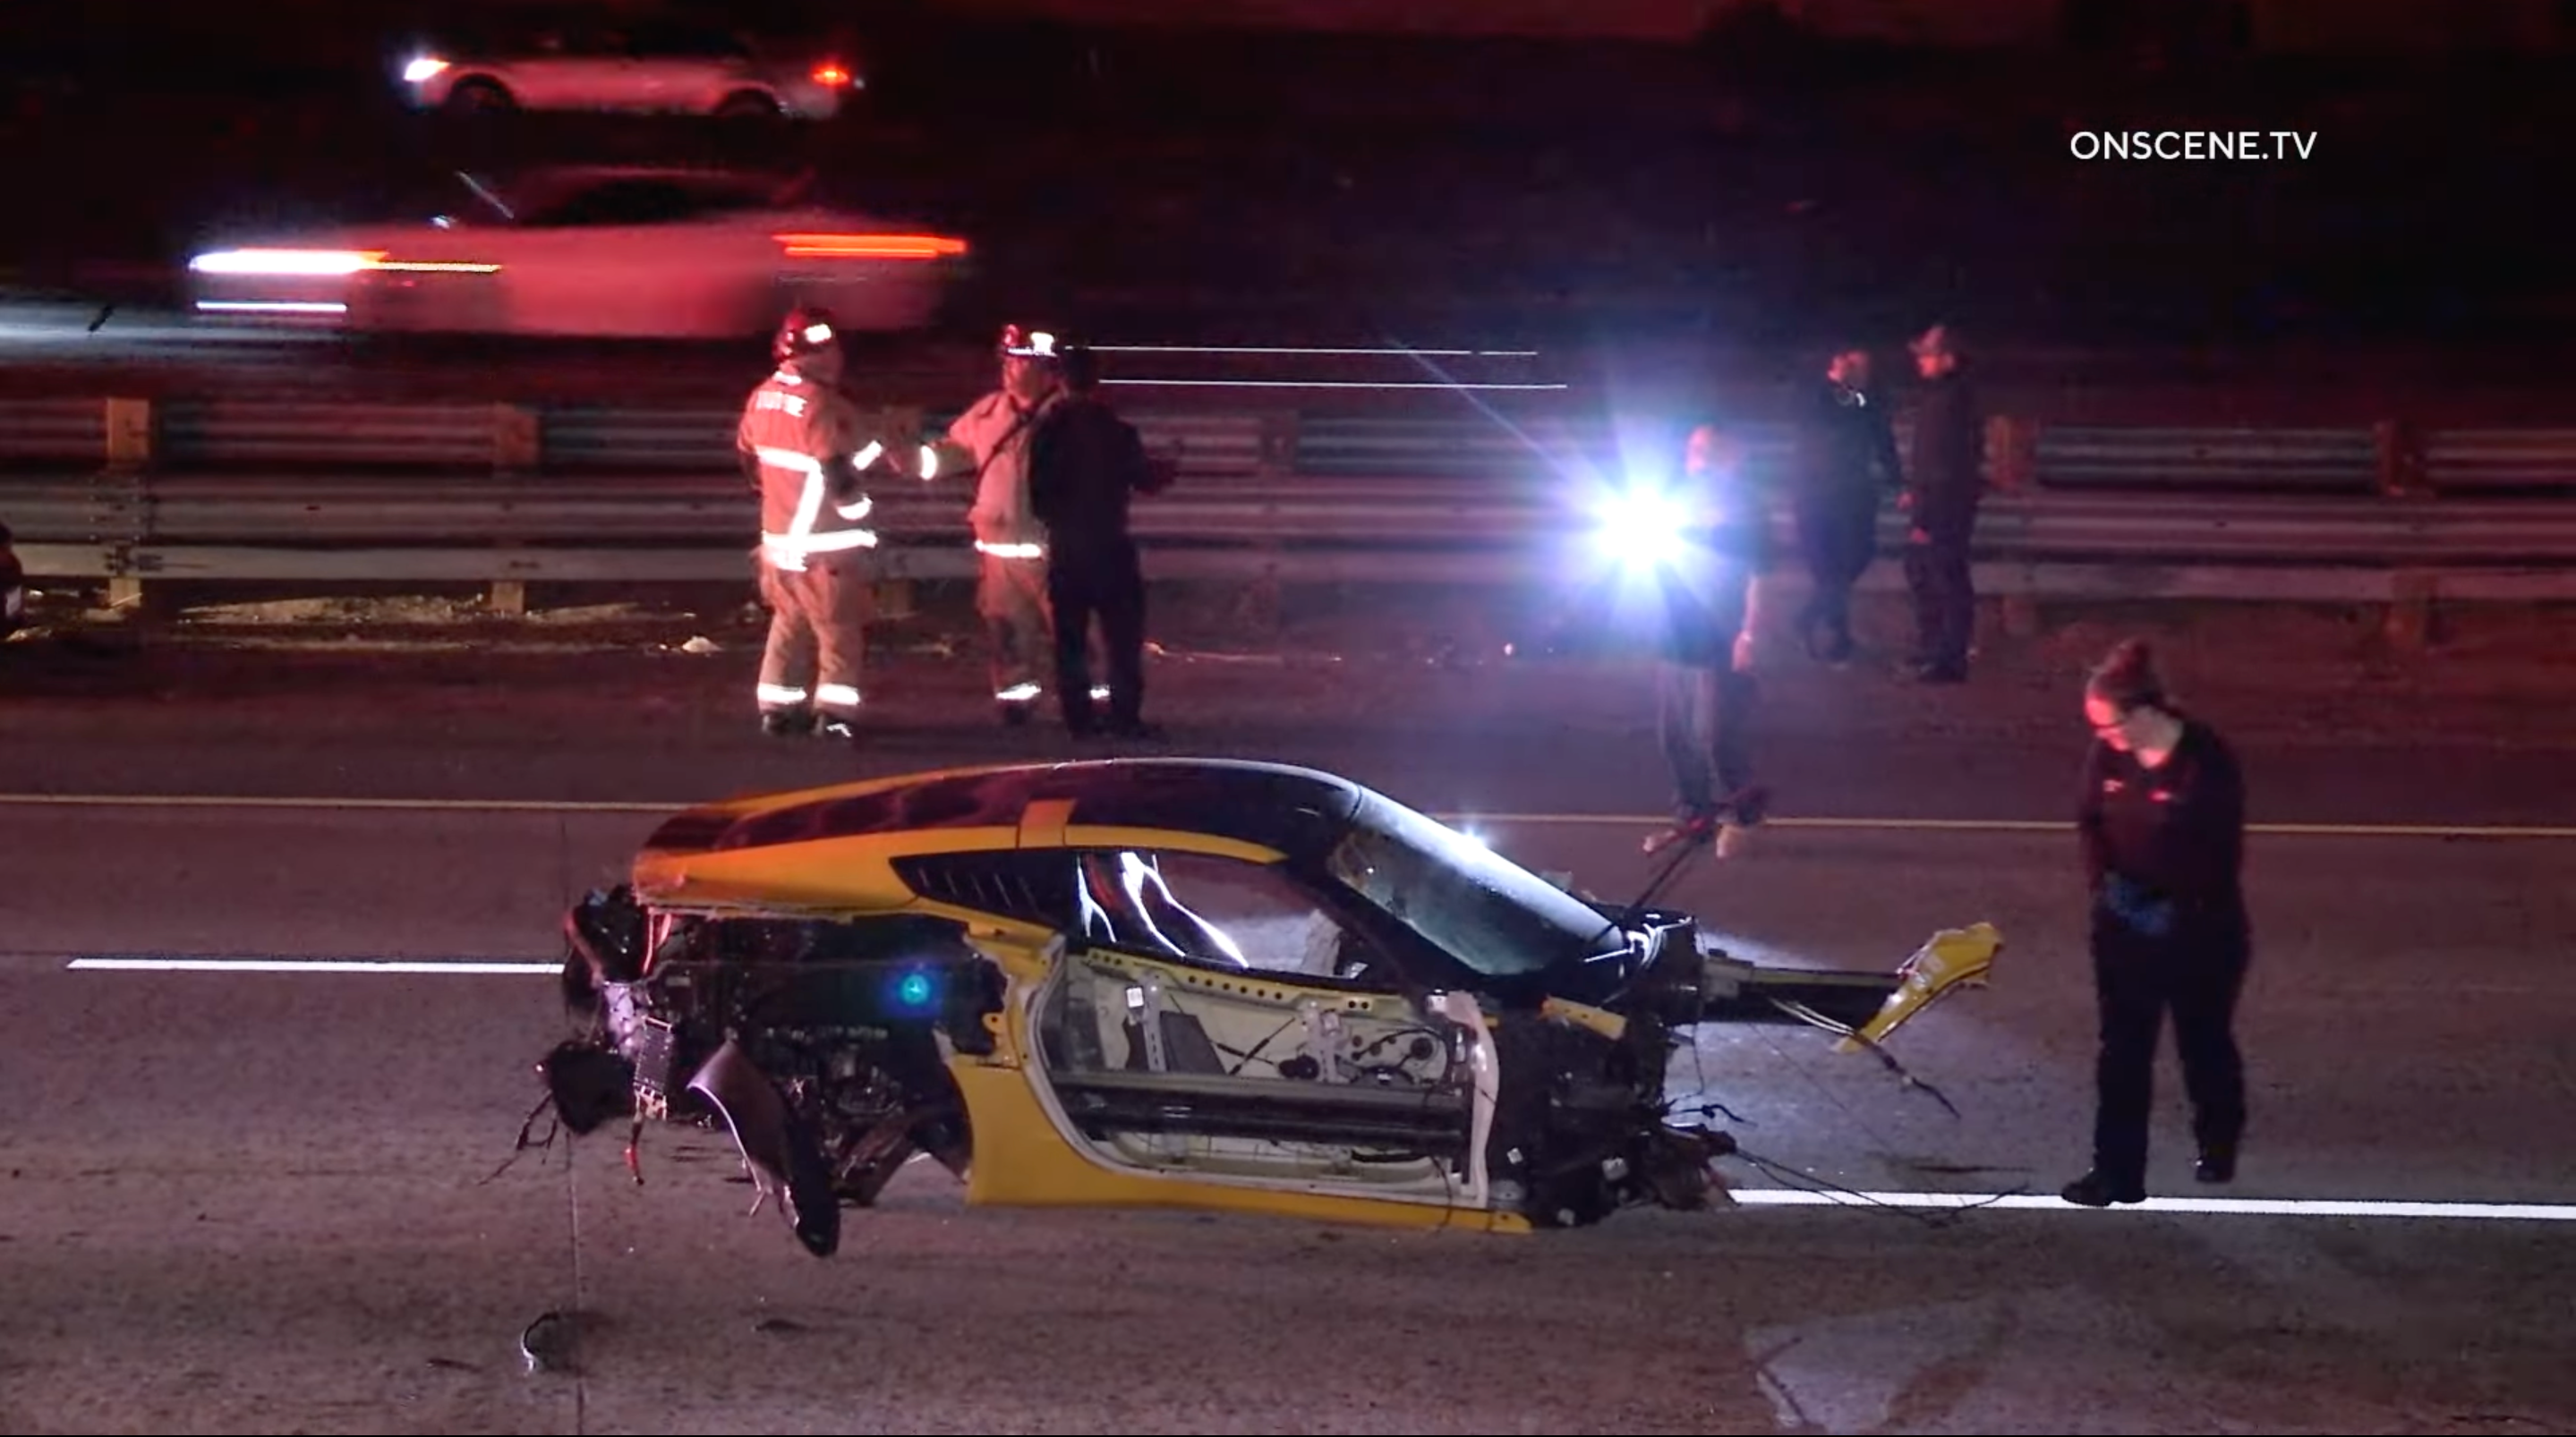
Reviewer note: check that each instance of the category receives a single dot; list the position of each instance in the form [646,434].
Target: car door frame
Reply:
[1473,1191]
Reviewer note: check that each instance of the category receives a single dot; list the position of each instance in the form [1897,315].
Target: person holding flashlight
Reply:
[1712,584]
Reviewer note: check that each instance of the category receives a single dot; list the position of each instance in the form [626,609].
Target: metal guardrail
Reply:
[235,489]
[2518,461]
[681,509]
[2319,461]
[356,438]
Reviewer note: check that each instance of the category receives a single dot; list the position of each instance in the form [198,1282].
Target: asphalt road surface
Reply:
[1170,357]
[263,1201]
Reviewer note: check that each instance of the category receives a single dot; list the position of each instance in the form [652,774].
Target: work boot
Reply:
[2217,1163]
[786,723]
[2096,1190]
[839,726]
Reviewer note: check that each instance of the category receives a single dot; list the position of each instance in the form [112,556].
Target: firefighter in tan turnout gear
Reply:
[990,441]
[801,441]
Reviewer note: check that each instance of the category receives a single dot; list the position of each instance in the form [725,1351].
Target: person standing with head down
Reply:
[2162,819]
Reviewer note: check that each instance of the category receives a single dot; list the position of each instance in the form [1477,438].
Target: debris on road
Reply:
[548,1343]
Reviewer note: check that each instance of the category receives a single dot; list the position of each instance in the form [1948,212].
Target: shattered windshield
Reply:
[1494,916]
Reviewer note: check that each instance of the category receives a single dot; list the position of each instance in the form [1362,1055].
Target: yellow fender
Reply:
[1949,960]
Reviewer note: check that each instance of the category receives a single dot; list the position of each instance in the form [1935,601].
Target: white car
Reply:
[13,586]
[604,65]
[603,252]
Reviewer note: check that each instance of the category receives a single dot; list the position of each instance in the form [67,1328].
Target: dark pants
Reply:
[1838,536]
[2197,975]
[1704,714]
[1108,584]
[1945,601]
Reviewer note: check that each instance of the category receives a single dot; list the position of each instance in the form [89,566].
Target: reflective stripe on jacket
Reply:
[804,440]
[993,434]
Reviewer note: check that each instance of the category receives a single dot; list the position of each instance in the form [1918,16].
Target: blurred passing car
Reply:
[594,251]
[604,65]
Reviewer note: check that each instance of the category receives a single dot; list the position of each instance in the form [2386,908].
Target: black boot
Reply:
[2217,1163]
[2096,1190]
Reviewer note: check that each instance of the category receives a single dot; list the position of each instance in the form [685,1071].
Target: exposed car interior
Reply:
[1230,1042]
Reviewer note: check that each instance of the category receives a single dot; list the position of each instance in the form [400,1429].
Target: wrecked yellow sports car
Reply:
[1176,982]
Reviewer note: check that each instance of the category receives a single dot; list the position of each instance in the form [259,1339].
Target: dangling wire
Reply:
[519,1148]
[1790,1177]
[1805,1014]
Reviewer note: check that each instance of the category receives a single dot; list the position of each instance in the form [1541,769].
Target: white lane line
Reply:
[441,966]
[1748,1197]
[271,306]
[419,805]
[2042,825]
[2280,1207]
[1325,384]
[327,802]
[1394,351]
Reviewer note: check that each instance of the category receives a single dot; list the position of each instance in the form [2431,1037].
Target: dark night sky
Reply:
[2294,24]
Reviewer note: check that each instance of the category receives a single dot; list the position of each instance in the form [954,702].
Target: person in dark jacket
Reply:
[1846,458]
[2162,819]
[1712,594]
[1944,479]
[1084,464]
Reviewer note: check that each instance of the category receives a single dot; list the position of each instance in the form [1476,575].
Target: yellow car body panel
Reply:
[1023,1157]
[1021,1160]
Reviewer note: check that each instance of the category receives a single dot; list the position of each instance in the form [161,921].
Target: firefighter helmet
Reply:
[806,330]
[1022,342]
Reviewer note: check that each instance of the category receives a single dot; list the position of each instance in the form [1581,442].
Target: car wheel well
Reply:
[750,104]
[480,92]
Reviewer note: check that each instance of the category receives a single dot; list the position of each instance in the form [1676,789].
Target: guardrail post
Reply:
[518,448]
[901,429]
[2012,454]
[1259,608]
[123,511]
[2409,624]
[2402,473]
[2012,467]
[518,440]
[129,433]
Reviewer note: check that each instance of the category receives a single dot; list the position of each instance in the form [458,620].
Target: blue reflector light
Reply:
[915,990]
